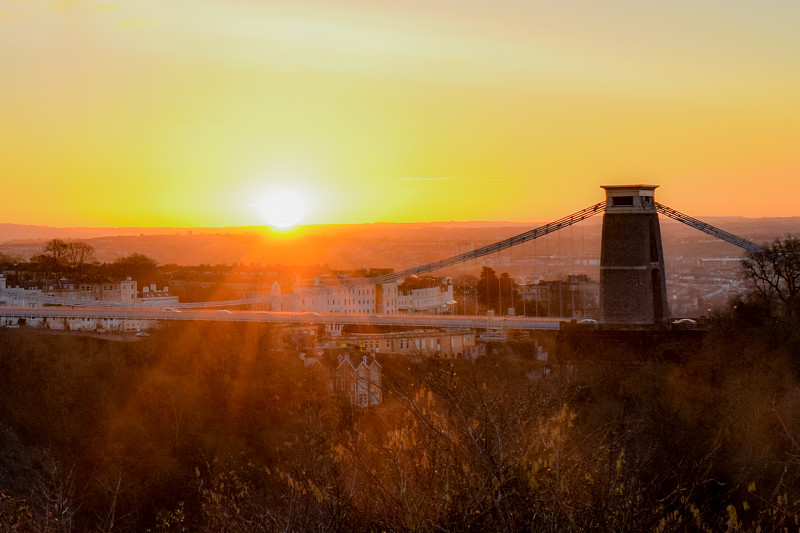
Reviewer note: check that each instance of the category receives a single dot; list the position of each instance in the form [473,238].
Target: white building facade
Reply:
[357,295]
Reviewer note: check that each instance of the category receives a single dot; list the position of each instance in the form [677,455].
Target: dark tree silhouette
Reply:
[774,272]
[497,294]
[138,266]
[60,257]
[78,255]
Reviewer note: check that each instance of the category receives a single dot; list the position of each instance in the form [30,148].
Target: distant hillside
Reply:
[343,246]
[20,232]
[10,233]
[372,245]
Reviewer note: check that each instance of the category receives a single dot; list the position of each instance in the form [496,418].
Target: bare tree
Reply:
[54,256]
[775,274]
[78,254]
[59,256]
[57,497]
[57,249]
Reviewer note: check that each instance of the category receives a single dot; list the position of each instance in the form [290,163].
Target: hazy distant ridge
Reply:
[397,245]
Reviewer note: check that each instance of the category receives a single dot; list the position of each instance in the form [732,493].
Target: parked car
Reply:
[142,334]
[686,322]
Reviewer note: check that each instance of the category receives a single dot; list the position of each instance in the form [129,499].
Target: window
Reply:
[622,200]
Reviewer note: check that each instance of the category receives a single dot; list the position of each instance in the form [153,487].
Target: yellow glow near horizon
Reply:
[145,112]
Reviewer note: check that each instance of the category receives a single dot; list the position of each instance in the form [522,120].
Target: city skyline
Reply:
[206,113]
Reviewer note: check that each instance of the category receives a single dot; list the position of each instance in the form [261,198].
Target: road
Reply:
[287,317]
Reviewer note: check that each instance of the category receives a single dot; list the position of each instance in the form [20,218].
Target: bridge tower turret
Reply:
[632,280]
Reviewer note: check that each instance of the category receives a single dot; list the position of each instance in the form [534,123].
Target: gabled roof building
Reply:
[360,384]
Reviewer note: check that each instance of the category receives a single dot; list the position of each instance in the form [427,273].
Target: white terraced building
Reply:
[356,295]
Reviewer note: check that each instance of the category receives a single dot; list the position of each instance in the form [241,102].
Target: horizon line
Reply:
[266,226]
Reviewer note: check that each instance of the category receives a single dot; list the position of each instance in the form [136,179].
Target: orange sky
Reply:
[196,113]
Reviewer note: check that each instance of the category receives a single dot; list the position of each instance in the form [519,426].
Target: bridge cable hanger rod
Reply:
[530,235]
[709,229]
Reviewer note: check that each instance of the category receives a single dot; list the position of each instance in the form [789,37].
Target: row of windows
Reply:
[404,344]
[359,292]
[91,288]
[349,301]
[375,344]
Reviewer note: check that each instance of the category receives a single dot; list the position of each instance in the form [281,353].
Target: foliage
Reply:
[7,261]
[465,293]
[495,293]
[215,428]
[137,266]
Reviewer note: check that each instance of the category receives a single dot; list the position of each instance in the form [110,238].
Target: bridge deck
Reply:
[277,317]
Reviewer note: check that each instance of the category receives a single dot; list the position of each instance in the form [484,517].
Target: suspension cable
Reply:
[476,253]
[708,228]
[535,233]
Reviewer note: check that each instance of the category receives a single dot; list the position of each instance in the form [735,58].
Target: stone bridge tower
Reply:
[632,281]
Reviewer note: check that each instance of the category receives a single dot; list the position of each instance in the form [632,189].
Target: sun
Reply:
[283,208]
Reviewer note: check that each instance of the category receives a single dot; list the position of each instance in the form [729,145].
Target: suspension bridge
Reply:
[632,277]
